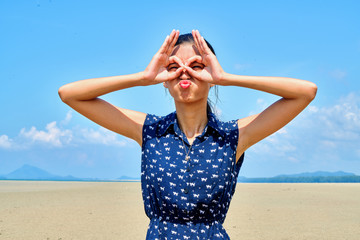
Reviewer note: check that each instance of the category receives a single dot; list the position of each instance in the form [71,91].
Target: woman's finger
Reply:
[195,58]
[176,74]
[175,59]
[173,41]
[204,45]
[163,47]
[192,72]
[171,37]
[196,40]
[197,35]
[170,40]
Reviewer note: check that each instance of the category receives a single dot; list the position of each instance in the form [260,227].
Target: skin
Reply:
[194,62]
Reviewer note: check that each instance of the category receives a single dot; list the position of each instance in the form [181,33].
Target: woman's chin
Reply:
[186,98]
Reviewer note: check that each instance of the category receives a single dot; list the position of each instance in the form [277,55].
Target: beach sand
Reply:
[114,210]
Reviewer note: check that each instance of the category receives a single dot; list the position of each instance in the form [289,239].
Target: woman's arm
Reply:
[296,95]
[83,95]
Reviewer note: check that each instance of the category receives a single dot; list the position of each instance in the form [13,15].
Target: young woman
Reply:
[190,159]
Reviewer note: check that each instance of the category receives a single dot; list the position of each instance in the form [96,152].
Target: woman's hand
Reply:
[212,71]
[156,71]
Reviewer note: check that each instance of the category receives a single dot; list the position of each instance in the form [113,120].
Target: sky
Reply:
[46,44]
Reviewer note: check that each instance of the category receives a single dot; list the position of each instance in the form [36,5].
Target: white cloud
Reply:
[101,136]
[291,68]
[67,118]
[62,136]
[239,66]
[278,144]
[53,135]
[312,109]
[338,74]
[333,129]
[293,159]
[261,105]
[5,142]
[217,111]
[259,101]
[341,121]
[327,143]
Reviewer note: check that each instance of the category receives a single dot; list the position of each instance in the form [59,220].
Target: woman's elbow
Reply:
[64,94]
[311,91]
[308,91]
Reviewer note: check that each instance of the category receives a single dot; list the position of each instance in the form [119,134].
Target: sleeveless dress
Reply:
[188,198]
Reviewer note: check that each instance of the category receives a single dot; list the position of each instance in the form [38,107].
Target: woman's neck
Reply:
[192,119]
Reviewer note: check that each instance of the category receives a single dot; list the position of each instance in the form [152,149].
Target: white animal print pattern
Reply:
[188,199]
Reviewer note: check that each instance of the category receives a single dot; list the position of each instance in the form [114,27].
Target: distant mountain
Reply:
[28,172]
[124,178]
[319,174]
[307,177]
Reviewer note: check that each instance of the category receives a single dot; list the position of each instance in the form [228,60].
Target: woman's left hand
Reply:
[212,71]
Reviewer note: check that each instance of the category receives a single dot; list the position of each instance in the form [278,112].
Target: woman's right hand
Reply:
[157,71]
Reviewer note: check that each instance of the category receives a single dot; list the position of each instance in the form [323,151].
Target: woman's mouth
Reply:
[185,84]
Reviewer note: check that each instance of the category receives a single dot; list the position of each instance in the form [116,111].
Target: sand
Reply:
[114,210]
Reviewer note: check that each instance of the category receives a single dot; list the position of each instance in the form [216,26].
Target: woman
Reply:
[190,159]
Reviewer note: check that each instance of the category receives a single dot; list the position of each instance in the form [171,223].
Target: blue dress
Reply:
[188,198]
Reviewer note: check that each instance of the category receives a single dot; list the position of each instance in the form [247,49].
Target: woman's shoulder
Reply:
[152,119]
[225,126]
[155,125]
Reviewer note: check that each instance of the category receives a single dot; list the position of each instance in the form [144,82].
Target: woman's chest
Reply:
[175,167]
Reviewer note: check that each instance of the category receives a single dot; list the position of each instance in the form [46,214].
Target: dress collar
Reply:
[170,121]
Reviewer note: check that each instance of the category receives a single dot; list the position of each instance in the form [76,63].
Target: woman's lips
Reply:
[185,83]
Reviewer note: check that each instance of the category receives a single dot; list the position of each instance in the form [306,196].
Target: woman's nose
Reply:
[184,75]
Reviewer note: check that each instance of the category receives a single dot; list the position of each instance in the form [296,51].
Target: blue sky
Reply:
[46,44]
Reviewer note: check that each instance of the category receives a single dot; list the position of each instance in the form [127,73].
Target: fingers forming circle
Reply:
[198,37]
[201,43]
[197,44]
[172,41]
[195,58]
[175,74]
[205,46]
[163,47]
[192,72]
[175,59]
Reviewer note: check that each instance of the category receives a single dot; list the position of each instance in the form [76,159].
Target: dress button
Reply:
[186,191]
[188,169]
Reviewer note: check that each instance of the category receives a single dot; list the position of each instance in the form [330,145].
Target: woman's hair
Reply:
[188,38]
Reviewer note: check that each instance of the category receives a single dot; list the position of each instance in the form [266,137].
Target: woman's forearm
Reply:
[92,88]
[289,88]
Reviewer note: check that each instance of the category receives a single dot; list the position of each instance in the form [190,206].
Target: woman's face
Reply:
[198,90]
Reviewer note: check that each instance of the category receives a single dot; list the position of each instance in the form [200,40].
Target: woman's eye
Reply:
[173,68]
[196,67]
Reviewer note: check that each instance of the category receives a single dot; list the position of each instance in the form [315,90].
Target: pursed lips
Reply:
[185,83]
